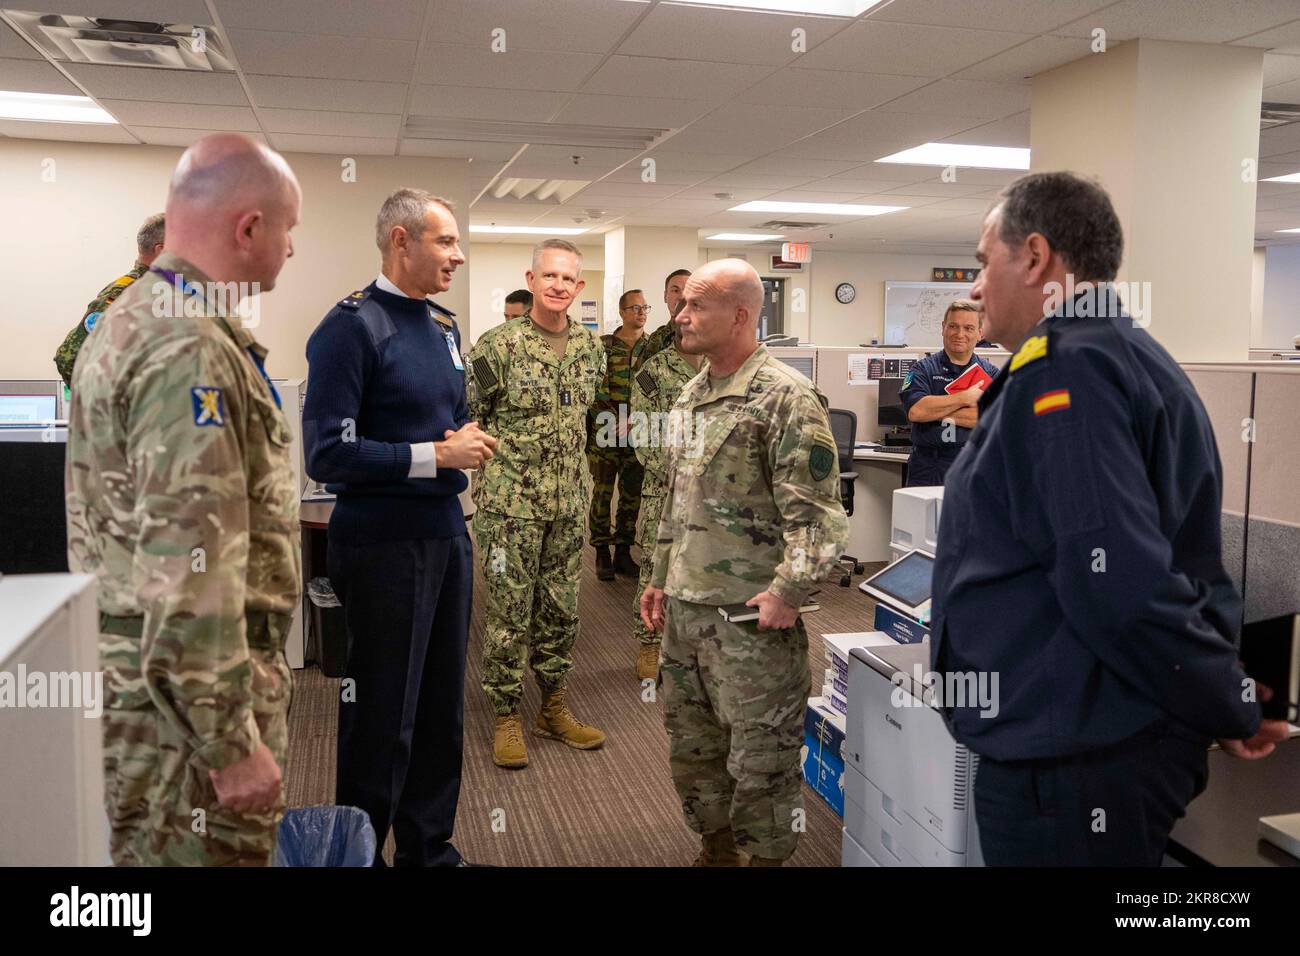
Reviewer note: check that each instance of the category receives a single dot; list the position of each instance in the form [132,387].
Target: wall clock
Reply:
[845,293]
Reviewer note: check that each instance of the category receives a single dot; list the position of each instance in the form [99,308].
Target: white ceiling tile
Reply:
[333,57]
[671,157]
[1010,131]
[480,152]
[34,76]
[667,174]
[470,103]
[161,11]
[1283,93]
[628,191]
[875,46]
[809,194]
[859,180]
[757,181]
[751,142]
[14,46]
[74,132]
[1028,17]
[1280,139]
[591,157]
[591,26]
[674,78]
[654,113]
[167,136]
[182,115]
[729,36]
[707,192]
[1280,68]
[452,64]
[1283,39]
[963,206]
[1195,21]
[878,133]
[803,167]
[793,86]
[1029,59]
[181,86]
[340,145]
[392,19]
[972,98]
[326,123]
[939,189]
[299,93]
[778,121]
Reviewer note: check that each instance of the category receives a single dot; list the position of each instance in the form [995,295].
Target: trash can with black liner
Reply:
[329,627]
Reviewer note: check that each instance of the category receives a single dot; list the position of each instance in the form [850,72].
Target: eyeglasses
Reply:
[638,309]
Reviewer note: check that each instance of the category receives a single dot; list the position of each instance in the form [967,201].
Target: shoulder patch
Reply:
[209,405]
[820,461]
[124,280]
[484,377]
[1054,401]
[90,321]
[354,300]
[1034,348]
[647,382]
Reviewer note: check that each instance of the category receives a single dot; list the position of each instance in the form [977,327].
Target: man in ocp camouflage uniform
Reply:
[149,244]
[181,499]
[612,461]
[654,391]
[532,381]
[752,517]
[662,337]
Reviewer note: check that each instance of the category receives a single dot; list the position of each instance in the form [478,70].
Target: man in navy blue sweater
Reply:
[387,428]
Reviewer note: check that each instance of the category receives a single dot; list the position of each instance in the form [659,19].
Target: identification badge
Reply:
[565,397]
[455,352]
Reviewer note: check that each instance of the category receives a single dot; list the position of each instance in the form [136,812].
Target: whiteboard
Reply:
[914,311]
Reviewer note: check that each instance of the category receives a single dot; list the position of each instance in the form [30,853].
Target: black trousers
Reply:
[1109,807]
[926,467]
[399,743]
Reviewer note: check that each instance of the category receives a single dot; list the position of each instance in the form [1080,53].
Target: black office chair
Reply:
[844,427]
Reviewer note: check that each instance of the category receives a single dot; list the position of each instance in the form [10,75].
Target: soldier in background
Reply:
[518,303]
[533,380]
[662,337]
[752,517]
[654,391]
[181,499]
[149,245]
[608,454]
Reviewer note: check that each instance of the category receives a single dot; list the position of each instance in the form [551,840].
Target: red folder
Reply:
[975,375]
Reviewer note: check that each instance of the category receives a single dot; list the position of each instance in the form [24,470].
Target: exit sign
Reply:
[796,251]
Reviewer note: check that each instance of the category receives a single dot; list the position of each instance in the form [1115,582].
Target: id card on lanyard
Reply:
[455,352]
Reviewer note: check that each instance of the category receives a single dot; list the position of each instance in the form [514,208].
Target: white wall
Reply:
[1280,322]
[77,234]
[499,269]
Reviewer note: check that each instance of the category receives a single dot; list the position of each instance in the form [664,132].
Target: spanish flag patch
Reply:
[1057,401]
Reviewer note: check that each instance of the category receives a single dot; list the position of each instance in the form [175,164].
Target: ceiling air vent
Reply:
[1278,114]
[115,42]
[785,225]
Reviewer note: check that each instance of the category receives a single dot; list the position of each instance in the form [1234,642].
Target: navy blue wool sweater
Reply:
[382,362]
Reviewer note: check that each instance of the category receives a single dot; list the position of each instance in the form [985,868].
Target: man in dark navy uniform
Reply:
[386,426]
[941,422]
[1080,557]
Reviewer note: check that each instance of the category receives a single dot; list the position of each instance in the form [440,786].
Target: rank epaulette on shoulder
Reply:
[646,381]
[354,300]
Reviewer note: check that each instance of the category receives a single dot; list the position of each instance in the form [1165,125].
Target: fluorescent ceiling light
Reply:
[51,108]
[818,208]
[827,8]
[527,230]
[1289,230]
[1289,178]
[961,154]
[745,237]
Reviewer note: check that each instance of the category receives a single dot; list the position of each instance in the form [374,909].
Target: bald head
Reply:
[230,207]
[724,299]
[735,282]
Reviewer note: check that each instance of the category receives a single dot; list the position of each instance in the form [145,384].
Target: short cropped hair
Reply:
[622,299]
[152,232]
[964,305]
[562,244]
[674,275]
[1074,214]
[520,297]
[406,208]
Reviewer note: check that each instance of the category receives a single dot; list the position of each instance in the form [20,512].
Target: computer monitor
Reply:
[28,409]
[889,411]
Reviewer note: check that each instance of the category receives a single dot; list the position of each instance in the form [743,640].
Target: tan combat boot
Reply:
[558,723]
[508,747]
[718,849]
[647,661]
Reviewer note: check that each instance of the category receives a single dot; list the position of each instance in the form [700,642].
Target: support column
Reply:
[1172,131]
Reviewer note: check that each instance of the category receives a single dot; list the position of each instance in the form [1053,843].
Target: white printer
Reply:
[915,520]
[908,786]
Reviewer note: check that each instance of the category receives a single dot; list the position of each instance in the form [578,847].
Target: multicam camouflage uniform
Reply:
[531,498]
[610,459]
[181,499]
[654,390]
[752,505]
[655,342]
[66,356]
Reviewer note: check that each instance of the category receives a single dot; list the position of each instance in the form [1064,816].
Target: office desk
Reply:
[880,473]
[1222,824]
